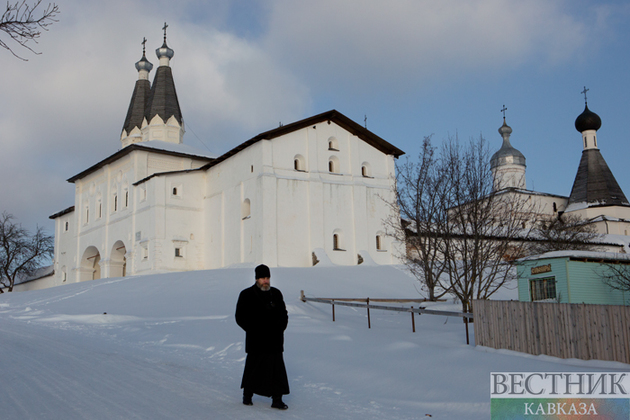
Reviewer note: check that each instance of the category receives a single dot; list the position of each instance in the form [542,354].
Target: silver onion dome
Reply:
[507,155]
[144,64]
[164,51]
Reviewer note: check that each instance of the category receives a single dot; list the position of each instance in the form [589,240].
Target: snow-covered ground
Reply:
[168,348]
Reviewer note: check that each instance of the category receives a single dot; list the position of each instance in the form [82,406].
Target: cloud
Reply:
[63,111]
[362,43]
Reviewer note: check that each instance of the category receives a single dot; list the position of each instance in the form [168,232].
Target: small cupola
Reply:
[588,123]
[135,119]
[507,164]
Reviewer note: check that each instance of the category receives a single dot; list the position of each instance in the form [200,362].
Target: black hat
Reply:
[262,271]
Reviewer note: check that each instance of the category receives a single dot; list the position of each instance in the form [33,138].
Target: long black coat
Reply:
[263,316]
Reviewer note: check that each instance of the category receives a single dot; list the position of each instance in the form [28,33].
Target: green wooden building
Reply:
[570,277]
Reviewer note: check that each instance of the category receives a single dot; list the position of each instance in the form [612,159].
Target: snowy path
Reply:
[53,374]
[179,355]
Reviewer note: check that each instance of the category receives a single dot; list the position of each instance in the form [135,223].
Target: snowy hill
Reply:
[167,347]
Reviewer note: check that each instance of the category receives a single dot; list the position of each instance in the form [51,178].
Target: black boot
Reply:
[277,403]
[247,397]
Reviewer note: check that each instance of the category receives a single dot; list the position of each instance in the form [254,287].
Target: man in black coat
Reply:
[261,312]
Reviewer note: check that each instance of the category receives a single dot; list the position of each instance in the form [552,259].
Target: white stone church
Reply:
[310,191]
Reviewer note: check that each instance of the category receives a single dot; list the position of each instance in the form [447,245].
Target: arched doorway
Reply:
[90,264]
[118,262]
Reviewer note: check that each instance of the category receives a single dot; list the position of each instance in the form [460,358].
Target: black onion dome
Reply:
[587,120]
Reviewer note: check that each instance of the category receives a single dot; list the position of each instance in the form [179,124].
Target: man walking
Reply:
[261,312]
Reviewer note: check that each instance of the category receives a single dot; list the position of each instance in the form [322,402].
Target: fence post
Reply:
[413,320]
[333,308]
[368,312]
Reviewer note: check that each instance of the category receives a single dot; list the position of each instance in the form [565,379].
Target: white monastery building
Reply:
[314,190]
[595,197]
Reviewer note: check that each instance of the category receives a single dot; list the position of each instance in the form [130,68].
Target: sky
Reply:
[140,348]
[405,68]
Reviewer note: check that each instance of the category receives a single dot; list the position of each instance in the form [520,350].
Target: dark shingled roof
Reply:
[595,184]
[138,105]
[163,100]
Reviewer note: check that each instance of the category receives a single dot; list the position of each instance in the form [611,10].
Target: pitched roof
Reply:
[137,105]
[163,100]
[161,148]
[595,184]
[330,116]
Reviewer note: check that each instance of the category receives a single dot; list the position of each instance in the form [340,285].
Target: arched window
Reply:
[246,209]
[338,240]
[366,170]
[333,144]
[333,165]
[299,163]
[380,241]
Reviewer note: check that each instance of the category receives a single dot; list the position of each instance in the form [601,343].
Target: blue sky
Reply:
[413,67]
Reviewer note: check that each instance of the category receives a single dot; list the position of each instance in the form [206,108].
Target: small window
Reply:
[126,198]
[542,289]
[246,210]
[174,190]
[100,209]
[299,163]
[115,205]
[337,240]
[366,170]
[251,168]
[555,207]
[333,144]
[67,226]
[333,165]
[379,243]
[178,252]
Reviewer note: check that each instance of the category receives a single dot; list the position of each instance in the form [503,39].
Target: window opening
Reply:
[543,289]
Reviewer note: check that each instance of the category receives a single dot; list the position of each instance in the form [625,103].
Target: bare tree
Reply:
[616,274]
[20,252]
[486,228]
[566,232]
[21,23]
[461,234]
[420,189]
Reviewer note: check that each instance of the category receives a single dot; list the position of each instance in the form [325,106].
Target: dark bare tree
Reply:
[616,274]
[23,24]
[460,234]
[486,228]
[21,253]
[565,232]
[420,190]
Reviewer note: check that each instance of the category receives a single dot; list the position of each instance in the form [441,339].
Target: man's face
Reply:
[264,283]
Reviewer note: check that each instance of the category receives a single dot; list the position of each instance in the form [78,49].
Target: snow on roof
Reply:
[578,254]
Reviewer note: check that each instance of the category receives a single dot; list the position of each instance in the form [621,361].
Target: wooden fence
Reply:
[365,303]
[565,330]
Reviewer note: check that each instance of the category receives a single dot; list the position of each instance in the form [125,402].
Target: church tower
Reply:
[508,164]
[595,184]
[135,120]
[154,112]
